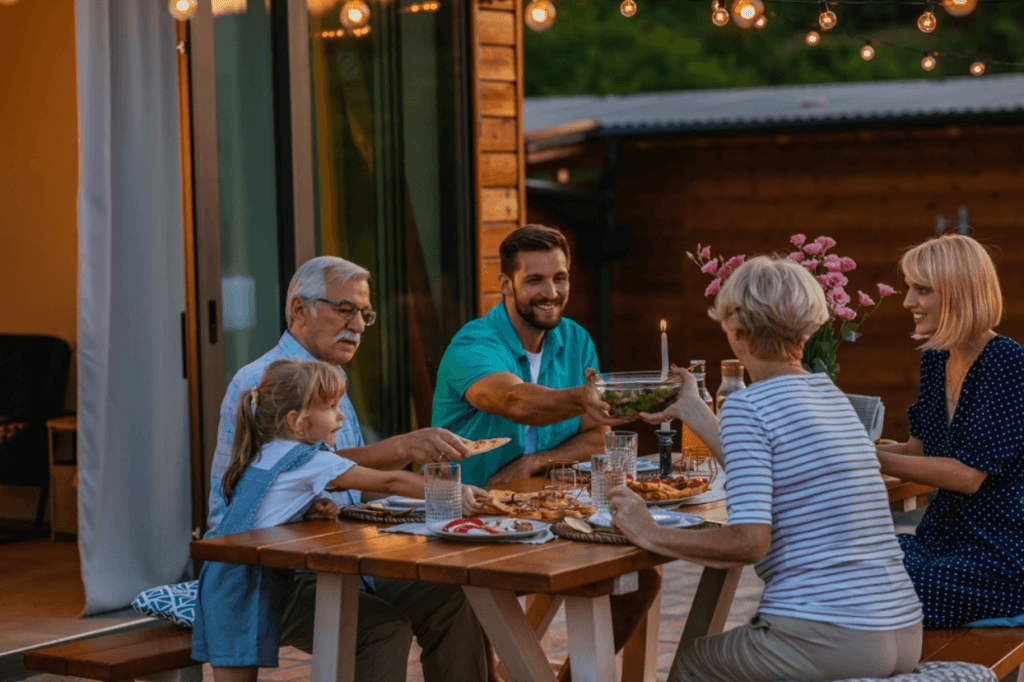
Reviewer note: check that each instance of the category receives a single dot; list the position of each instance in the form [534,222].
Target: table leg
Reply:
[591,649]
[334,628]
[711,603]
[510,633]
[640,654]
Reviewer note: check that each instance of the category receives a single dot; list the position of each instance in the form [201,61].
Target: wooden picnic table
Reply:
[581,575]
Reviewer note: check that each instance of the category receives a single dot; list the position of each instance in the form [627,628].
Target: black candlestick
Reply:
[665,451]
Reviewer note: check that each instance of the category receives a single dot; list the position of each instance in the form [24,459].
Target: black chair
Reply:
[33,382]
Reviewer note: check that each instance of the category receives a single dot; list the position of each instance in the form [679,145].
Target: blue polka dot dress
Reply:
[967,559]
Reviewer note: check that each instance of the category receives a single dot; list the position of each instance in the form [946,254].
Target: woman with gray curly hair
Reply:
[806,505]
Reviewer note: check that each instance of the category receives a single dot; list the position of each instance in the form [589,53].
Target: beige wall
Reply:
[38,169]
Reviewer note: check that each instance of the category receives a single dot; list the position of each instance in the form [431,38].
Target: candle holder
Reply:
[665,451]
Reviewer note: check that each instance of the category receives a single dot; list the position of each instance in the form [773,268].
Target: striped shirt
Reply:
[799,460]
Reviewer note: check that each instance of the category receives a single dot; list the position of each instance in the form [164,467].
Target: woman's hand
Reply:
[630,516]
[323,508]
[473,499]
[676,410]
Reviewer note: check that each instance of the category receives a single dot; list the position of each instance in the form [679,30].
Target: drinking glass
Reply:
[698,463]
[621,446]
[443,483]
[562,477]
[606,472]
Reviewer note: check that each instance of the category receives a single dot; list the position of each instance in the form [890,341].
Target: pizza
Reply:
[541,506]
[672,488]
[481,527]
[475,447]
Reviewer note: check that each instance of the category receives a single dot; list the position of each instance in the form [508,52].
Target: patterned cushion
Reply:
[939,672]
[176,603]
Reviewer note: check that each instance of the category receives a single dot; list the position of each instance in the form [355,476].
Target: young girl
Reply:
[279,467]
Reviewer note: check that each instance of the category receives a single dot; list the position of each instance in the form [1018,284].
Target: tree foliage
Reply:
[672,45]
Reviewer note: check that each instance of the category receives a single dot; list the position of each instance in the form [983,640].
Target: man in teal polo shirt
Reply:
[522,370]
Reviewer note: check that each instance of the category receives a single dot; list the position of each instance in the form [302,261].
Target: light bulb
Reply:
[355,14]
[812,38]
[761,22]
[959,8]
[319,7]
[746,12]
[182,10]
[927,62]
[977,68]
[628,8]
[827,20]
[540,15]
[719,17]
[867,53]
[926,22]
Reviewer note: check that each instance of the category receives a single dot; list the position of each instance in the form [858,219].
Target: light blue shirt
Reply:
[248,378]
[490,344]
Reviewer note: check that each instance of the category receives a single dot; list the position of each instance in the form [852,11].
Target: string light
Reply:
[355,14]
[926,22]
[540,15]
[761,22]
[182,10]
[719,17]
[978,68]
[812,38]
[746,12]
[959,8]
[928,61]
[827,19]
[627,8]
[867,53]
[319,7]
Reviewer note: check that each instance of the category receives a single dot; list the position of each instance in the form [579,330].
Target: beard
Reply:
[529,314]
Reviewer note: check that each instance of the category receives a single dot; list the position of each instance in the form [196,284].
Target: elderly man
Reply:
[327,310]
[522,371]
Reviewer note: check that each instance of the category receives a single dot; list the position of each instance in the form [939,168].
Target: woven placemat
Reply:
[608,537]
[365,512]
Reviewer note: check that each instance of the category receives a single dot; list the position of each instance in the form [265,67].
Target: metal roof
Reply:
[770,107]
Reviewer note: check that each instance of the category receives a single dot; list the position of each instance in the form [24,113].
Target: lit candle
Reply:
[664,364]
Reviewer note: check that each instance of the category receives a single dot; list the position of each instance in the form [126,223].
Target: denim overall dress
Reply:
[238,614]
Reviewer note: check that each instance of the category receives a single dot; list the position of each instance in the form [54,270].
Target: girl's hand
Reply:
[630,515]
[473,499]
[323,508]
[687,393]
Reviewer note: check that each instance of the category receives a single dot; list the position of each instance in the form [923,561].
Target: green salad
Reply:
[630,402]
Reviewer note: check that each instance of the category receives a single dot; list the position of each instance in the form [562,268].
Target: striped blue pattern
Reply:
[799,460]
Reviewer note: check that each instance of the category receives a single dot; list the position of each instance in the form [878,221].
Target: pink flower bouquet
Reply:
[828,269]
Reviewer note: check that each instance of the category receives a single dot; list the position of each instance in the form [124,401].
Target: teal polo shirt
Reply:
[490,344]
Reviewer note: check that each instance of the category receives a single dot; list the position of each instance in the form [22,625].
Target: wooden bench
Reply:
[1000,649]
[161,653]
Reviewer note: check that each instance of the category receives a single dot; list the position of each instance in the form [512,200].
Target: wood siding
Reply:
[497,27]
[874,192]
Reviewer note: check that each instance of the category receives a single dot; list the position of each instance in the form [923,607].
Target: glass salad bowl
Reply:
[630,393]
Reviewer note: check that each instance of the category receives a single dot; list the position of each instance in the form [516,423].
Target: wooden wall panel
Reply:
[875,196]
[500,154]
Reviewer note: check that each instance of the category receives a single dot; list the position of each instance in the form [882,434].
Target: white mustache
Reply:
[348,335]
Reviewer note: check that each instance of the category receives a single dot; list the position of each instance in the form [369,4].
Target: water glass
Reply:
[699,463]
[443,484]
[605,473]
[562,477]
[621,446]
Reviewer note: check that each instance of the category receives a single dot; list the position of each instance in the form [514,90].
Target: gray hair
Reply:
[311,279]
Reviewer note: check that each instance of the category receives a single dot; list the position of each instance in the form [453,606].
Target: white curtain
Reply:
[133,495]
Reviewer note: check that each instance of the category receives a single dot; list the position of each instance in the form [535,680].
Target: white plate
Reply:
[643,466]
[538,527]
[399,502]
[669,519]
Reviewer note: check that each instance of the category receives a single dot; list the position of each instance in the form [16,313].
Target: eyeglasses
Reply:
[347,310]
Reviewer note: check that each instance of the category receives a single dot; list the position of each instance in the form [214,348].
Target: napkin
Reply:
[871,412]
[421,529]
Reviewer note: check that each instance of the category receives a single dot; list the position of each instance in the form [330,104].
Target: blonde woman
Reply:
[966,438]
[806,505]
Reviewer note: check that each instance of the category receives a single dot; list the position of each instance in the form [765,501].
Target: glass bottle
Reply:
[697,369]
[732,381]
